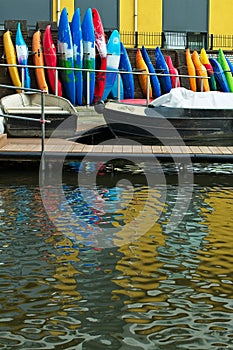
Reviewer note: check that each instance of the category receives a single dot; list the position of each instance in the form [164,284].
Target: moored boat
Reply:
[28,105]
[203,118]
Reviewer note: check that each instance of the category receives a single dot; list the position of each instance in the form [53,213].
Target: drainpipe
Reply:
[135,23]
[58,10]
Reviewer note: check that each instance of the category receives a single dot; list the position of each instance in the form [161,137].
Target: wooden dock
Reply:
[29,149]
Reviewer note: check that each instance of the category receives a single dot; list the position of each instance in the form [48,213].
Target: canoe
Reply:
[219,75]
[101,55]
[113,61]
[38,60]
[201,71]
[205,61]
[154,80]
[88,54]
[127,78]
[50,58]
[66,56]
[201,118]
[10,54]
[191,70]
[175,80]
[77,37]
[222,60]
[22,56]
[57,109]
[144,79]
[162,68]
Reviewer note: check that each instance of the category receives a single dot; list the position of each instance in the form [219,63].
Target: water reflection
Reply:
[157,291]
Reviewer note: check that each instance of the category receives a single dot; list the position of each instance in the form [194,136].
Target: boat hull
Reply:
[57,110]
[173,126]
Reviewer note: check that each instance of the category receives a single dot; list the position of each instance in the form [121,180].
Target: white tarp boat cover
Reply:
[183,98]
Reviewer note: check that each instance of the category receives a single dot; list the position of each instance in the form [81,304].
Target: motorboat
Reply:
[200,118]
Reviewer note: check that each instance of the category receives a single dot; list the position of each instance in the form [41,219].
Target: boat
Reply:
[50,59]
[191,70]
[11,58]
[201,71]
[22,56]
[38,59]
[28,105]
[101,55]
[143,78]
[88,35]
[113,61]
[77,38]
[201,118]
[66,56]
[154,80]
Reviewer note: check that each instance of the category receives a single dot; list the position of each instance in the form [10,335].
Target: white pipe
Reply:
[135,16]
[58,10]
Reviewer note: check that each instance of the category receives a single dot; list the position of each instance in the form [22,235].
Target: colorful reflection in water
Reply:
[60,289]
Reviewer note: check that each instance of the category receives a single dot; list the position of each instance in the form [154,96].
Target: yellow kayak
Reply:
[11,58]
[206,62]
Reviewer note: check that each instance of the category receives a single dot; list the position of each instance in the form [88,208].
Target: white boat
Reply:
[177,117]
[28,105]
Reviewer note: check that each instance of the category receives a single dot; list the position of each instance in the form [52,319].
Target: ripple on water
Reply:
[163,291]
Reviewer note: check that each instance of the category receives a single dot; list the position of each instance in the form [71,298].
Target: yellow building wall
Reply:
[220,17]
[69,4]
[220,22]
[149,15]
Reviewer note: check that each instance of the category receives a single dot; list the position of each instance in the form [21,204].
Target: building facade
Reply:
[176,24]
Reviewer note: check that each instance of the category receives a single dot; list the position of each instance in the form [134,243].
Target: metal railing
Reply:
[42,119]
[88,72]
[177,40]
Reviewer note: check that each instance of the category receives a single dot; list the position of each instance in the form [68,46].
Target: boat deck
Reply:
[22,149]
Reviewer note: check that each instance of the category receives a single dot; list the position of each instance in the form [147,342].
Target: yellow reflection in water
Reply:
[66,283]
[138,266]
[216,258]
[139,214]
[210,275]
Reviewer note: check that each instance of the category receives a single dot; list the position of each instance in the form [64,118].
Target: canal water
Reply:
[100,279]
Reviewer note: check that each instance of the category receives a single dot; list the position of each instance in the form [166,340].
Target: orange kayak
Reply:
[191,70]
[201,72]
[39,61]
[141,65]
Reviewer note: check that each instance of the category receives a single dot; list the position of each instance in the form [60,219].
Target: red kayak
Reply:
[101,57]
[50,58]
[172,70]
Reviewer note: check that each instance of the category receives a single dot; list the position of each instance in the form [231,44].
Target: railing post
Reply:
[147,89]
[202,84]
[88,88]
[118,86]
[163,40]
[42,123]
[135,40]
[56,82]
[23,78]
[211,41]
